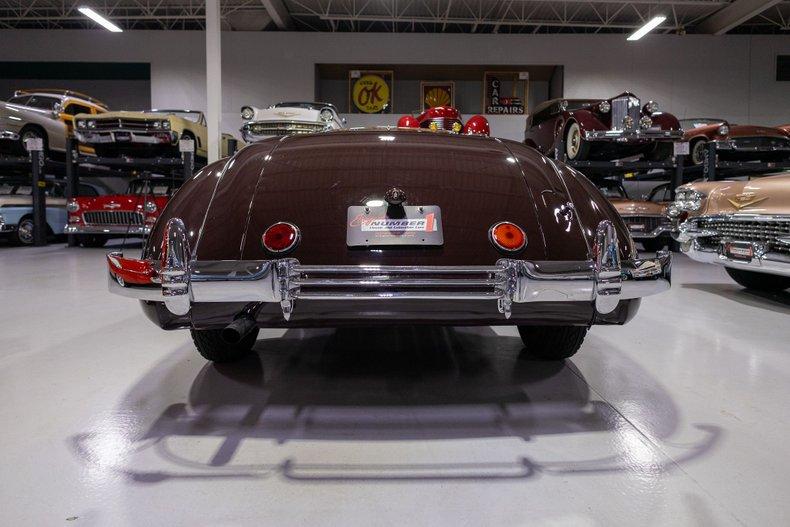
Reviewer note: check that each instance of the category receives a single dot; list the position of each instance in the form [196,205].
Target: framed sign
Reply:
[437,94]
[505,93]
[370,91]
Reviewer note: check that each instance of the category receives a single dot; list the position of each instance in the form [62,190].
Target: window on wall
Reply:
[783,67]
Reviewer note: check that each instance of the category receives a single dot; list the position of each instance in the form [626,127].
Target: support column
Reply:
[213,78]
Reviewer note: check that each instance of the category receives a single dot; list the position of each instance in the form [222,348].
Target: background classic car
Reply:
[287,118]
[95,219]
[154,133]
[446,118]
[735,141]
[646,218]
[16,208]
[388,227]
[602,129]
[742,225]
[46,114]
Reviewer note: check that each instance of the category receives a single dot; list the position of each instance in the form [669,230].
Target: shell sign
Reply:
[371,94]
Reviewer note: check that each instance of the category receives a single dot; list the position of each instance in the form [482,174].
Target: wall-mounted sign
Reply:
[505,93]
[437,94]
[371,92]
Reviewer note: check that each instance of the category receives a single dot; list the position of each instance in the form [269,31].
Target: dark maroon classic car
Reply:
[595,129]
[739,142]
[384,227]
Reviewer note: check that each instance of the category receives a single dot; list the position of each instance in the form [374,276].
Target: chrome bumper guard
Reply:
[624,136]
[655,233]
[132,230]
[604,280]
[134,137]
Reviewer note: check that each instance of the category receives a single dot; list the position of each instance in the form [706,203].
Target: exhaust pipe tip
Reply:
[235,332]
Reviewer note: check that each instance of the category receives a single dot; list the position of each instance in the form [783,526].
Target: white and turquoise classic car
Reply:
[16,208]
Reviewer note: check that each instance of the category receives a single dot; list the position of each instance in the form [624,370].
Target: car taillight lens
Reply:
[281,237]
[508,236]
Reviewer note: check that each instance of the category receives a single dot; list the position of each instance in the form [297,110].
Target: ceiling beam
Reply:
[279,13]
[733,15]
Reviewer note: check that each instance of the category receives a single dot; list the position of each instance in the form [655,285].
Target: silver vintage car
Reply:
[45,114]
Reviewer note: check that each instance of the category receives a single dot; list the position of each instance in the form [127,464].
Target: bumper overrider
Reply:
[695,243]
[628,136]
[178,281]
[131,230]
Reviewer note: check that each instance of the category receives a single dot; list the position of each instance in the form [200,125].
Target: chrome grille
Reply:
[747,230]
[285,128]
[443,123]
[126,124]
[623,107]
[114,217]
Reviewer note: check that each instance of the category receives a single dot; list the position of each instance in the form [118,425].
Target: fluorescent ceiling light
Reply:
[647,28]
[96,17]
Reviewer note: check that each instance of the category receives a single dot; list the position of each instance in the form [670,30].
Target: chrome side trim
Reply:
[605,280]
[624,136]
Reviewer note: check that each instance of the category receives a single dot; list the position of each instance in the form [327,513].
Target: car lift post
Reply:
[187,148]
[72,178]
[709,168]
[36,148]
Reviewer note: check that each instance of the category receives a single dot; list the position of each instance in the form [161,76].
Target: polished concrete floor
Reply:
[679,418]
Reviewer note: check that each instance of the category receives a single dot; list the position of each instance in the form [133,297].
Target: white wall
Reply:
[693,75]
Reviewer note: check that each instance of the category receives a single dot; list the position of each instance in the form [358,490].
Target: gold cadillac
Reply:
[742,225]
[154,133]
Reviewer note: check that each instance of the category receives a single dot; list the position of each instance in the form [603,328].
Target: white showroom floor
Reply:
[679,418]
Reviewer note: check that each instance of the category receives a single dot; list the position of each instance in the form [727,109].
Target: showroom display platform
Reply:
[678,417]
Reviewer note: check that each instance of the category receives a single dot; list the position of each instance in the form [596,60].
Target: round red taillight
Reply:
[508,236]
[280,237]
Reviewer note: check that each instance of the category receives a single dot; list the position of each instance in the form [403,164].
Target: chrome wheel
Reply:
[573,141]
[24,231]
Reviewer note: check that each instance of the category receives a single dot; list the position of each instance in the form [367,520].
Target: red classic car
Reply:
[603,130]
[94,220]
[735,141]
[446,118]
[388,227]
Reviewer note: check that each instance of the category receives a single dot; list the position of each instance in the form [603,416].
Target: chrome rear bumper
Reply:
[180,281]
[9,135]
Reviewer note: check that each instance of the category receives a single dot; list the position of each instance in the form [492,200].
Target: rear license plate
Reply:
[408,225]
[739,251]
[123,137]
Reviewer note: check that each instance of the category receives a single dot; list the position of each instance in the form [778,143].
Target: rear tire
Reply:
[552,342]
[211,346]
[759,281]
[576,148]
[23,235]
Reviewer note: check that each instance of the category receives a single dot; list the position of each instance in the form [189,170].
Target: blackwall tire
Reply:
[759,281]
[212,347]
[552,342]
[576,148]
[93,240]
[654,244]
[23,235]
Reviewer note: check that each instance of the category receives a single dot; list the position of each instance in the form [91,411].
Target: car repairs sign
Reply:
[394,225]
